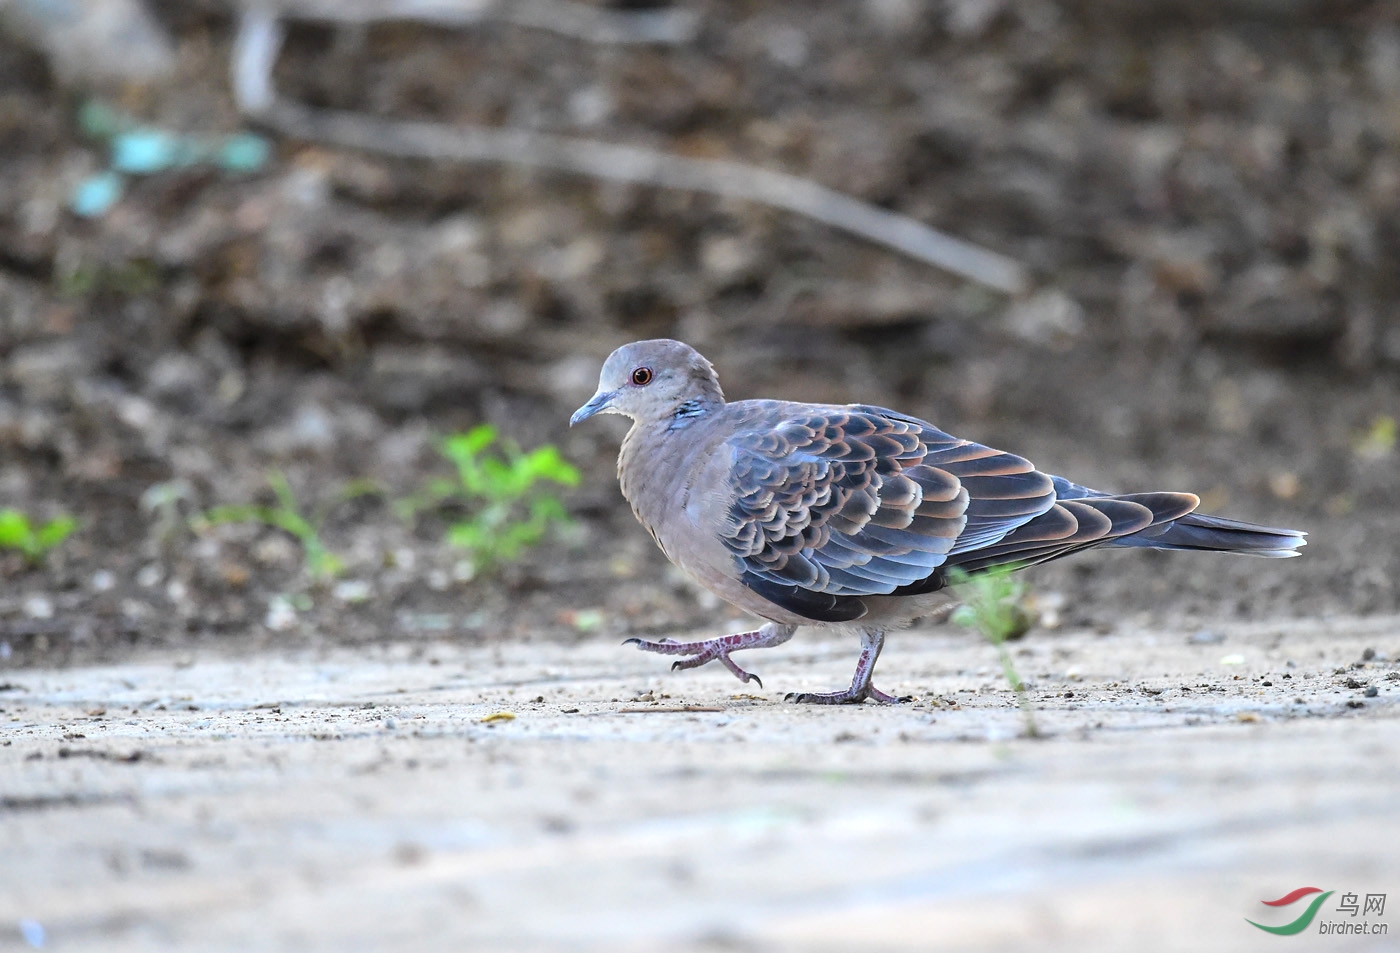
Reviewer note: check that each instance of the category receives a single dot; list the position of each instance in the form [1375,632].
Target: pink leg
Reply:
[871,642]
[711,649]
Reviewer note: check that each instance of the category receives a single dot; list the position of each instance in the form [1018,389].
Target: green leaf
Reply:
[466,535]
[292,522]
[321,563]
[240,513]
[546,463]
[992,608]
[498,488]
[504,478]
[480,437]
[15,532]
[283,490]
[468,446]
[360,487]
[55,532]
[549,509]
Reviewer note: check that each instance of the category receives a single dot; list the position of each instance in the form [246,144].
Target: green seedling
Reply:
[30,539]
[322,565]
[993,607]
[1378,440]
[499,485]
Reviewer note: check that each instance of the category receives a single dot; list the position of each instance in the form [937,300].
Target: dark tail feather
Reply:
[1216,534]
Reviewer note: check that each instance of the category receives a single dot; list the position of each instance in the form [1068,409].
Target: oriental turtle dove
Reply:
[851,516]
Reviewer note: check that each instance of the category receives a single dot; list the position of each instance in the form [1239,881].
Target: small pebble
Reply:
[281,615]
[38,607]
[1371,691]
[353,590]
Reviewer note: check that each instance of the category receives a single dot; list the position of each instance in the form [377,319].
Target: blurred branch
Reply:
[259,41]
[565,17]
[1215,11]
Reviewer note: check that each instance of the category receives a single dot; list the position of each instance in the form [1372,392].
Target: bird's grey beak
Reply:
[599,402]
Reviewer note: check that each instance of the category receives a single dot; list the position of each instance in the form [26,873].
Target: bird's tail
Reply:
[1216,534]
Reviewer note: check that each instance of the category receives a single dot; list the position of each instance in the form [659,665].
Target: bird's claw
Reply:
[699,660]
[699,654]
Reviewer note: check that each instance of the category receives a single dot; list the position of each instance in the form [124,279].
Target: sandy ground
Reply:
[381,800]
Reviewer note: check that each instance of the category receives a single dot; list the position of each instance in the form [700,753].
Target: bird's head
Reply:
[653,380]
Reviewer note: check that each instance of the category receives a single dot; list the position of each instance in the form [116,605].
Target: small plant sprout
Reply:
[993,607]
[1378,440]
[322,565]
[31,540]
[499,487]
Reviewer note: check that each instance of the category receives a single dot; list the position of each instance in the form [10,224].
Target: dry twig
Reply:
[565,17]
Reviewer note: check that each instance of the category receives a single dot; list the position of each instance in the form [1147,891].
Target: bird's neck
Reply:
[669,437]
[690,410]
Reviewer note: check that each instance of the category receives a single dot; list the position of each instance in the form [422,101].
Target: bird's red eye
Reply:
[641,376]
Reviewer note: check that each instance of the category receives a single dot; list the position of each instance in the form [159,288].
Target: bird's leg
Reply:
[710,649]
[871,641]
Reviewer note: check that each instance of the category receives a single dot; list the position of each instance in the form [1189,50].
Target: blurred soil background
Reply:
[1208,196]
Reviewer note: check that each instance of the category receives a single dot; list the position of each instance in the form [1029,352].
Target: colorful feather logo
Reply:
[1300,924]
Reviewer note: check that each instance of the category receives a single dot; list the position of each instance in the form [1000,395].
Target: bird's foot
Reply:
[851,696]
[871,641]
[700,653]
[710,650]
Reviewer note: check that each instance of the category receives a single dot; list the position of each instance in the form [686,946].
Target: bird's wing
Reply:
[1074,524]
[835,503]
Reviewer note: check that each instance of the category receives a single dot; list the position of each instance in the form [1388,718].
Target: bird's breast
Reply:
[673,493]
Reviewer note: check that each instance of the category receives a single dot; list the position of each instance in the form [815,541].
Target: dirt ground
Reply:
[542,796]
